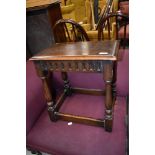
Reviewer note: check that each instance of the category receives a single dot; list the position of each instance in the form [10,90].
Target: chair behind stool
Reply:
[108,23]
[121,24]
[69,31]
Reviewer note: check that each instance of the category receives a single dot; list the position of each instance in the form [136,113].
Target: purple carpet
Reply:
[79,139]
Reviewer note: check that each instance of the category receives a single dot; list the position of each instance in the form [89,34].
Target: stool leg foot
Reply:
[108,125]
[51,112]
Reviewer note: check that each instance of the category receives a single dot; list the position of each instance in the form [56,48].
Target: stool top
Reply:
[90,50]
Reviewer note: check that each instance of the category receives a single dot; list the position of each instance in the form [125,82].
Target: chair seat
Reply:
[60,139]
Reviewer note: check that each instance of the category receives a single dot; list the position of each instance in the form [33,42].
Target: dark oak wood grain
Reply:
[91,50]
[97,92]
[80,119]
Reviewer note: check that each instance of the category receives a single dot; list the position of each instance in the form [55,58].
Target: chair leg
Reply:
[36,152]
[67,87]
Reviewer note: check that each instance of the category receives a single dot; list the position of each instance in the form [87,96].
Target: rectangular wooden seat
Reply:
[91,56]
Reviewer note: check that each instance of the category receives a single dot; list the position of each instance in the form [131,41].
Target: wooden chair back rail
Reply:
[77,32]
[66,32]
[104,13]
[106,24]
[116,27]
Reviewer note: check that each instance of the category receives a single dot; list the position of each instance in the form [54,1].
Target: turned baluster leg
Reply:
[67,87]
[108,76]
[46,78]
[48,96]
